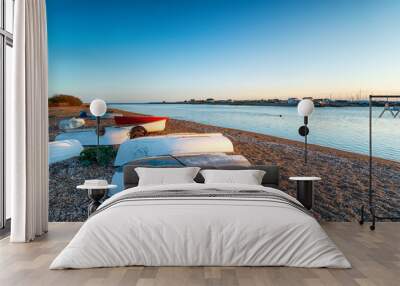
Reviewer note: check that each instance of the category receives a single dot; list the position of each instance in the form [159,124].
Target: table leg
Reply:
[95,196]
[305,193]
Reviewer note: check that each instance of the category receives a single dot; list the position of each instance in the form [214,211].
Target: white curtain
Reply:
[28,123]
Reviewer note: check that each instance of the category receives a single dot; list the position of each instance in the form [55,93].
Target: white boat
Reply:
[108,115]
[155,126]
[63,150]
[197,160]
[215,160]
[174,144]
[194,160]
[88,137]
[71,123]
[112,135]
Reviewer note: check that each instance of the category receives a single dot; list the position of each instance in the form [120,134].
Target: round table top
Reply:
[305,178]
[86,187]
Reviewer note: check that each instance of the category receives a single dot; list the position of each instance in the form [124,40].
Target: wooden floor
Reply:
[375,257]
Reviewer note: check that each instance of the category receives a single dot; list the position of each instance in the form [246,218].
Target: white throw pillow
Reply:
[166,176]
[248,177]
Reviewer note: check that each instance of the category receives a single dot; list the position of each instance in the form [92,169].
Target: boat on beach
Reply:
[88,136]
[113,135]
[193,160]
[138,120]
[72,123]
[173,144]
[149,123]
[61,150]
[153,126]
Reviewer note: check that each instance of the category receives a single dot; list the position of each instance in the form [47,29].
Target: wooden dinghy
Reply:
[138,120]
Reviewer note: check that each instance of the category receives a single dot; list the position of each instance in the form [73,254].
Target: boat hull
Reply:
[178,144]
[63,150]
[72,123]
[137,120]
[112,136]
[155,126]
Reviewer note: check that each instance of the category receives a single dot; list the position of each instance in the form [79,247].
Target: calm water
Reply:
[340,128]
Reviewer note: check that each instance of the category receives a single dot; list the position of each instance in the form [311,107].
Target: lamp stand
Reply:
[303,131]
[98,138]
[305,140]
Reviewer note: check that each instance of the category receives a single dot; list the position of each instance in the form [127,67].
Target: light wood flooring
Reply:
[375,257]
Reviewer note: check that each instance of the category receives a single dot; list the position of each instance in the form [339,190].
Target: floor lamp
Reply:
[305,108]
[98,108]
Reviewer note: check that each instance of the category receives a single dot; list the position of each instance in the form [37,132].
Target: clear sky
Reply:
[150,50]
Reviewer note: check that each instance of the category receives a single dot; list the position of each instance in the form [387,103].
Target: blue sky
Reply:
[172,50]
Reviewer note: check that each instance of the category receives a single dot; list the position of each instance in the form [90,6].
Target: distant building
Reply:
[340,103]
[362,102]
[293,101]
[324,101]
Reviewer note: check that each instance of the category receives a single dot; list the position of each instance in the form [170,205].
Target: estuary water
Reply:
[344,128]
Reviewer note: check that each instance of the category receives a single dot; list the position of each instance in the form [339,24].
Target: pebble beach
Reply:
[338,196]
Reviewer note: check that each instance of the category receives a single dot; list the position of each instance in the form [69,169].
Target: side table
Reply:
[95,194]
[305,192]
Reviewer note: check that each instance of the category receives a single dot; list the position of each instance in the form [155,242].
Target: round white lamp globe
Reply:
[305,107]
[98,107]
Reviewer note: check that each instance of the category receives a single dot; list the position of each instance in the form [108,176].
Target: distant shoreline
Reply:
[251,104]
[264,103]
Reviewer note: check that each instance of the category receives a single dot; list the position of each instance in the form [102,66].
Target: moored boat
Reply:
[137,120]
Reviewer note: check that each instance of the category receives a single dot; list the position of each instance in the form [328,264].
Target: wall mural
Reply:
[218,74]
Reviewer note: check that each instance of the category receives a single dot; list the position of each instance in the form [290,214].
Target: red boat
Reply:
[137,120]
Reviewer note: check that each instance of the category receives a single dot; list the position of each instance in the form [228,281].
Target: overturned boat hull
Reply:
[177,144]
[112,135]
[64,149]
